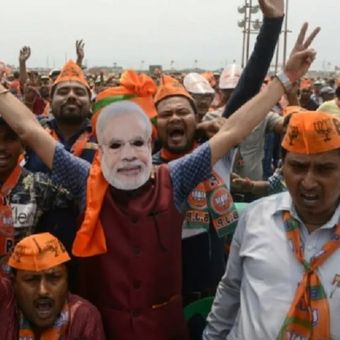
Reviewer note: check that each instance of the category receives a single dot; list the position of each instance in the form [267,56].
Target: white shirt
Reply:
[257,289]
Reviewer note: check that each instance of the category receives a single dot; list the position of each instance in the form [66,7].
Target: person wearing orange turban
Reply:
[138,88]
[34,298]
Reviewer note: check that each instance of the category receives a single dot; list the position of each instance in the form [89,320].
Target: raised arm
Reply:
[24,55]
[258,64]
[242,122]
[24,123]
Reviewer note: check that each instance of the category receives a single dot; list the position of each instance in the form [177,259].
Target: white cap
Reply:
[230,77]
[197,84]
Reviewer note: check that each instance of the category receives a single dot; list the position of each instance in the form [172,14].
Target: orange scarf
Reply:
[308,316]
[6,221]
[80,143]
[168,156]
[90,238]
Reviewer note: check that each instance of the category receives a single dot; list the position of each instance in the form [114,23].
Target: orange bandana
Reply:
[38,252]
[308,316]
[6,221]
[312,132]
[139,88]
[71,72]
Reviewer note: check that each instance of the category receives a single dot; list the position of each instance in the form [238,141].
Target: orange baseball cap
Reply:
[38,252]
[312,132]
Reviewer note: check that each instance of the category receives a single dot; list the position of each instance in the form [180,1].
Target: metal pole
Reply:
[285,34]
[244,33]
[248,28]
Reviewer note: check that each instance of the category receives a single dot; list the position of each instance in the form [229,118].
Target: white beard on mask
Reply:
[122,182]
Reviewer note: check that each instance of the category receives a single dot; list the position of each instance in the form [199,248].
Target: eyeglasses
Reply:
[137,144]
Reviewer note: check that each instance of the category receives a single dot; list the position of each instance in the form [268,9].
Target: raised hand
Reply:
[272,8]
[301,56]
[24,54]
[80,51]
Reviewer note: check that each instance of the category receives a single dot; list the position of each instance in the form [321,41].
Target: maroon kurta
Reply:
[136,285]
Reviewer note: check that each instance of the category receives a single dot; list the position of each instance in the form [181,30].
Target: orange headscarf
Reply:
[71,72]
[139,88]
[312,132]
[171,87]
[38,252]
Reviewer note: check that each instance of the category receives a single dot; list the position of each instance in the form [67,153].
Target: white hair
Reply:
[118,109]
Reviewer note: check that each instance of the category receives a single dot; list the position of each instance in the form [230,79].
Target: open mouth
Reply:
[44,308]
[176,134]
[309,199]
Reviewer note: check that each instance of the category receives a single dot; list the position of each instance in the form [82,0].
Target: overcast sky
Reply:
[155,31]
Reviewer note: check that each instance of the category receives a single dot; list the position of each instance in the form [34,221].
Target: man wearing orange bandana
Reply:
[69,124]
[283,278]
[130,238]
[34,298]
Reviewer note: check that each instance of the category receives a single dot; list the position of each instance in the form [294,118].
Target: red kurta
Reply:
[136,285]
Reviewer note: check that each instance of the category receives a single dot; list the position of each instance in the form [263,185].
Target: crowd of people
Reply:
[119,200]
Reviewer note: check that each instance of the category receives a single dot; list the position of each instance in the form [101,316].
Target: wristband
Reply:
[284,80]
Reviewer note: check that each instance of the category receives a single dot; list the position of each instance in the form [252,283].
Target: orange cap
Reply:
[312,132]
[139,88]
[171,87]
[71,72]
[38,252]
